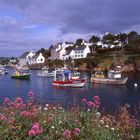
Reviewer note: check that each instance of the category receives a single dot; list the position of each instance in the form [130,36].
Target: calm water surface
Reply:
[111,95]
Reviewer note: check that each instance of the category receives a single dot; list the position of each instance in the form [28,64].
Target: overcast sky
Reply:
[28,25]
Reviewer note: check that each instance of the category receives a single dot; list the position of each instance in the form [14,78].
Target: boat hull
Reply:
[69,83]
[119,81]
[22,77]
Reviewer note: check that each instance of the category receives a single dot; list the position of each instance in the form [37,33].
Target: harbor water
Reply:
[111,96]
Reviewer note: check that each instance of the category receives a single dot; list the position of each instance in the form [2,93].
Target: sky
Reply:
[28,25]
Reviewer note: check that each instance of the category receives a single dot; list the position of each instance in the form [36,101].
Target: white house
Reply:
[29,56]
[37,59]
[23,59]
[59,50]
[68,55]
[81,52]
[86,43]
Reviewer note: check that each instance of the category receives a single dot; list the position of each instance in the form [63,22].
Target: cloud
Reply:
[39,23]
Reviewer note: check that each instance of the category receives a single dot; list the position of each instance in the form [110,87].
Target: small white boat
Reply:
[68,82]
[46,72]
[3,71]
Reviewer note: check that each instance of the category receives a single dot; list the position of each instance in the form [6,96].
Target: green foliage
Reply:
[108,38]
[94,39]
[78,41]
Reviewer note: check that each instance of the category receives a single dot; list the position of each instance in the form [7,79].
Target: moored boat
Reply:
[46,72]
[67,82]
[114,77]
[3,71]
[21,75]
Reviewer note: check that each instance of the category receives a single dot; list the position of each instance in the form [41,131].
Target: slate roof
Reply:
[82,47]
[24,55]
[68,52]
[35,56]
[69,42]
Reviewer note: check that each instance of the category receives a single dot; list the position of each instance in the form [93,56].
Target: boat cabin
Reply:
[114,74]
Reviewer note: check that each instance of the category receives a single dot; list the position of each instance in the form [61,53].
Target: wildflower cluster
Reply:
[35,122]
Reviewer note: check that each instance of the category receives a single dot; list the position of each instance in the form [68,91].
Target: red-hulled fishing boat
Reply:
[67,82]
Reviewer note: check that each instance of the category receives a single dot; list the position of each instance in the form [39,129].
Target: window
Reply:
[78,51]
[41,59]
[81,51]
[78,55]
[75,51]
[81,55]
[75,55]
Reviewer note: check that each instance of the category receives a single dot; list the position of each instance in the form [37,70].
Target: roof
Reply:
[81,47]
[24,55]
[35,56]
[69,42]
[68,52]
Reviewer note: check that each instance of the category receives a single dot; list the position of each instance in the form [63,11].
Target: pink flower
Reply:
[67,133]
[13,127]
[11,121]
[35,126]
[84,100]
[76,131]
[96,98]
[30,94]
[90,104]
[31,132]
[6,100]
[35,130]
[18,100]
[12,113]
[3,118]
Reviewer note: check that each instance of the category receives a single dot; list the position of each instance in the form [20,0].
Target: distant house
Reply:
[37,59]
[81,52]
[86,43]
[58,51]
[23,59]
[29,58]
[13,60]
[68,55]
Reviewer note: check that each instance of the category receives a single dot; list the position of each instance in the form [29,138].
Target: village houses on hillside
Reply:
[29,58]
[59,51]
[66,50]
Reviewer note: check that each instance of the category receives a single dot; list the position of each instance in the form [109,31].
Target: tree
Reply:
[122,38]
[94,39]
[79,41]
[132,35]
[51,47]
[108,38]
[43,51]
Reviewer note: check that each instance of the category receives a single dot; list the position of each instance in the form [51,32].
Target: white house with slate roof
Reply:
[37,59]
[81,52]
[29,58]
[23,59]
[78,52]
[58,51]
[68,54]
